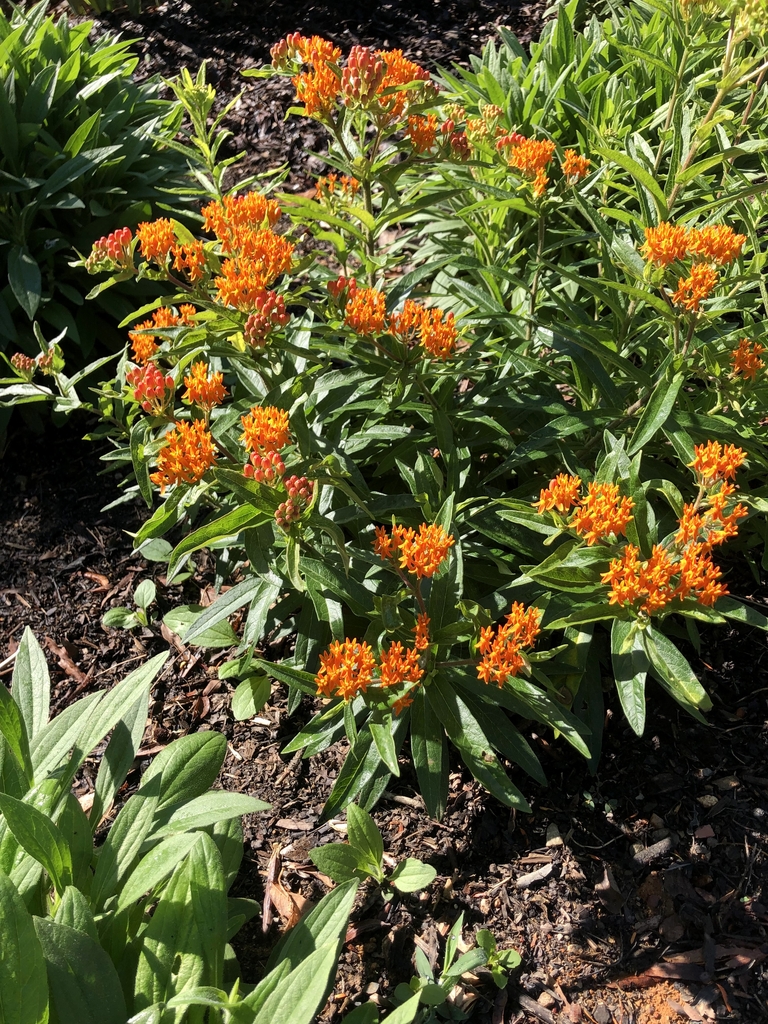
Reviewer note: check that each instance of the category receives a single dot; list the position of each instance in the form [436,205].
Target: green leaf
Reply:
[118,757]
[641,174]
[656,413]
[31,687]
[124,840]
[385,743]
[40,838]
[23,982]
[189,766]
[75,911]
[410,875]
[364,836]
[145,594]
[75,827]
[253,589]
[120,618]
[339,861]
[14,732]
[630,668]
[250,697]
[25,279]
[229,525]
[323,924]
[743,613]
[674,673]
[216,805]
[430,754]
[83,982]
[297,998]
[180,619]
[155,867]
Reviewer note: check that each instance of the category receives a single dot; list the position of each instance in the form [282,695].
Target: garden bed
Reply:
[654,868]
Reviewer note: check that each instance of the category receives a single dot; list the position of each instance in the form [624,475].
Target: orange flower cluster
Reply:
[346,669]
[653,584]
[269,314]
[144,346]
[366,311]
[402,72]
[709,247]
[156,239]
[190,260]
[502,649]
[152,389]
[236,218]
[531,157]
[204,390]
[574,167]
[422,132]
[698,286]
[438,335]
[713,461]
[601,513]
[562,494]
[244,280]
[265,429]
[420,553]
[747,359]
[186,456]
[326,186]
[713,526]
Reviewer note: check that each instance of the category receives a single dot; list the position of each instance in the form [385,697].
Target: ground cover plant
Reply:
[362,437]
[82,146]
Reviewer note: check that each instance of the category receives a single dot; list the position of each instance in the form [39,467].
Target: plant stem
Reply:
[535,282]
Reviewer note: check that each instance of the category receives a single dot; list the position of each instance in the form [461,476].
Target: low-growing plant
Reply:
[82,145]
[363,445]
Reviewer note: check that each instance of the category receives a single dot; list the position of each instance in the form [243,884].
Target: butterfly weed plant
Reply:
[481,421]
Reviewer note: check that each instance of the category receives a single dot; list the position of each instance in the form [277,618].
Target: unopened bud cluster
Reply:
[342,288]
[268,316]
[151,388]
[362,77]
[110,250]
[265,469]
[25,365]
[299,490]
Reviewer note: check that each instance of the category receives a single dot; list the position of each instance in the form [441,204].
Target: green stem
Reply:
[536,276]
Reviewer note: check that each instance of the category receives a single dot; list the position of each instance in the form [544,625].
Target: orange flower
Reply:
[190,259]
[187,314]
[422,132]
[438,335]
[244,280]
[235,219]
[144,345]
[407,323]
[699,576]
[156,239]
[691,290]
[562,493]
[716,242]
[400,72]
[419,553]
[421,643]
[720,525]
[346,669]
[501,652]
[713,461]
[747,359]
[400,664]
[531,156]
[690,526]
[187,454]
[317,90]
[602,513]
[574,167]
[265,429]
[325,187]
[632,580]
[366,311]
[665,244]
[203,390]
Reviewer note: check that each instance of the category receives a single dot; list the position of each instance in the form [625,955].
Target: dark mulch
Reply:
[603,920]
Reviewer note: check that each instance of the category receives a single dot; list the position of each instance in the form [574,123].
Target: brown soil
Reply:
[607,934]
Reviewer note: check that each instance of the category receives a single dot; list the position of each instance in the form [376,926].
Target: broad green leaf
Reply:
[250,697]
[674,673]
[327,922]
[364,836]
[118,757]
[252,589]
[37,834]
[297,998]
[76,830]
[83,983]
[339,861]
[189,766]
[216,805]
[155,867]
[31,687]
[385,744]
[25,279]
[23,982]
[180,619]
[630,668]
[74,910]
[411,875]
[14,731]
[124,840]
[430,754]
